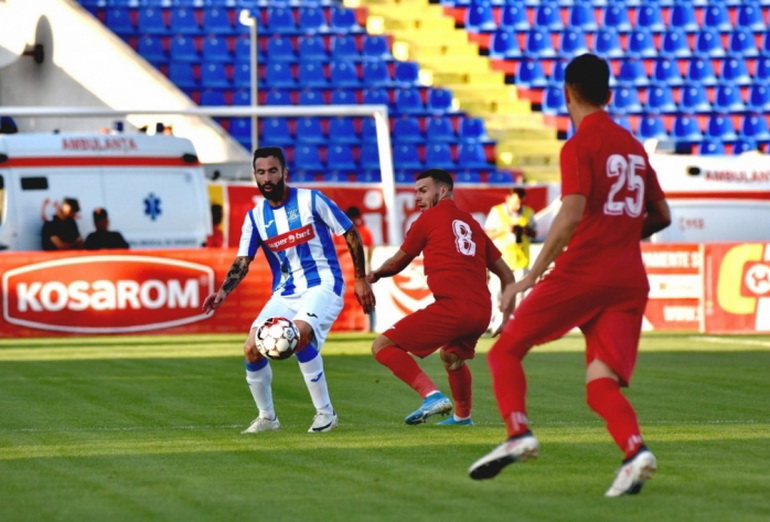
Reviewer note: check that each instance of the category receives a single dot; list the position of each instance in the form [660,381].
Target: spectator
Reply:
[102,237]
[217,238]
[61,232]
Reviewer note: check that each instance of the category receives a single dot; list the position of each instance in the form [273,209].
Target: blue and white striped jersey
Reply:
[297,241]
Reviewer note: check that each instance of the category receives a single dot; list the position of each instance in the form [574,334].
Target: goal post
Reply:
[378,112]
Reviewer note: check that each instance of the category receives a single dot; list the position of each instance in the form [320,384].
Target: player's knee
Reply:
[451,361]
[250,351]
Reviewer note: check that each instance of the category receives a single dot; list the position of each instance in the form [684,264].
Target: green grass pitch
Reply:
[134,428]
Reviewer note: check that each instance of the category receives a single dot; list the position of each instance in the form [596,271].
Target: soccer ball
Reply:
[277,338]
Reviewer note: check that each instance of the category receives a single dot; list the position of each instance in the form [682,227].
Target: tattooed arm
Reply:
[363,290]
[237,272]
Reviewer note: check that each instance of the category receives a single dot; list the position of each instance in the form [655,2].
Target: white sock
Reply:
[259,382]
[315,380]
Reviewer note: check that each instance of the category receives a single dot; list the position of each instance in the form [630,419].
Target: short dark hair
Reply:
[353,212]
[589,76]
[438,175]
[99,214]
[73,203]
[267,152]
[520,191]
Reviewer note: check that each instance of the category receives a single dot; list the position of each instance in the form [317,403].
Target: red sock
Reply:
[405,368]
[460,383]
[605,398]
[510,386]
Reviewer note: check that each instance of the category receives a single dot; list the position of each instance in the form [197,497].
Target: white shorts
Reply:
[318,306]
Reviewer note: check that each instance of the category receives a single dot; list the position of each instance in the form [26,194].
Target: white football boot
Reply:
[633,474]
[516,449]
[262,424]
[323,422]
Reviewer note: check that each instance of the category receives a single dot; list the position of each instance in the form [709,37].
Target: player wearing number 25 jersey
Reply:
[457,253]
[611,199]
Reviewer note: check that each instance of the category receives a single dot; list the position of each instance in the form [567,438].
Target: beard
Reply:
[276,190]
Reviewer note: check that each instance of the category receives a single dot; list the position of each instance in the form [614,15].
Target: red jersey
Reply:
[608,166]
[456,253]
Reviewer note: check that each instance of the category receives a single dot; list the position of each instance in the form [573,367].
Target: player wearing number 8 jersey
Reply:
[457,253]
[611,199]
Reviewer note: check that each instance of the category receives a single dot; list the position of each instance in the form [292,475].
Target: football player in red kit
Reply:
[457,254]
[611,199]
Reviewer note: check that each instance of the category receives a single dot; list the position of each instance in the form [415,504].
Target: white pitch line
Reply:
[723,340]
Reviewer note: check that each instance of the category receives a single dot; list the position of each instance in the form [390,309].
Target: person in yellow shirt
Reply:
[511,226]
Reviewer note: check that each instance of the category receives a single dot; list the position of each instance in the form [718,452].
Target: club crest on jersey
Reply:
[292,214]
[291,238]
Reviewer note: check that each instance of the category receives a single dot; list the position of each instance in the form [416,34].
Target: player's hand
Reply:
[364,294]
[372,278]
[212,302]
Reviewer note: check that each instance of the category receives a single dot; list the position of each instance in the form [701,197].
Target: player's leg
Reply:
[316,311]
[461,385]
[612,341]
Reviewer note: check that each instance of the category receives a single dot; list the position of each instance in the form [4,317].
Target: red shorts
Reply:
[609,317]
[455,326]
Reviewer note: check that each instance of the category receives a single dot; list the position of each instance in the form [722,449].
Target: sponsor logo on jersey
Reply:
[291,239]
[83,294]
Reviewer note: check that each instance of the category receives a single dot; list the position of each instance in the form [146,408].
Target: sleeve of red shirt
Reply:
[653,192]
[575,178]
[415,237]
[492,252]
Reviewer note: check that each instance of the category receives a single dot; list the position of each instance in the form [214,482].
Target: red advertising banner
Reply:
[676,285]
[737,288]
[158,291]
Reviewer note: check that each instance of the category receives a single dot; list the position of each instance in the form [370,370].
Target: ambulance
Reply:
[153,187]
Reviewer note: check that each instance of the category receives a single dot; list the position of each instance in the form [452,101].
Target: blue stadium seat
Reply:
[183,21]
[308,158]
[120,21]
[212,97]
[312,19]
[310,97]
[472,128]
[310,73]
[632,73]
[708,43]
[581,16]
[686,128]
[514,16]
[650,17]
[762,73]
[764,46]
[666,71]
[408,101]
[468,176]
[406,74]
[554,101]
[275,131]
[216,20]
[311,47]
[343,73]
[557,73]
[641,43]
[340,157]
[624,121]
[694,99]
[735,71]
[182,75]
[280,20]
[478,17]
[573,42]
[376,74]
[439,128]
[607,43]
[369,158]
[342,96]
[215,49]
[214,75]
[504,44]
[711,147]
[531,73]
[660,100]
[683,16]
[742,145]
[343,20]
[344,47]
[759,97]
[701,71]
[500,177]
[183,49]
[150,21]
[439,155]
[720,127]
[755,126]
[439,100]
[241,97]
[375,96]
[471,154]
[308,130]
[616,16]
[675,43]
[342,130]
[279,74]
[405,157]
[240,129]
[625,100]
[717,17]
[280,48]
[151,49]
[278,97]
[742,42]
[547,15]
[375,47]
[538,44]
[652,127]
[750,16]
